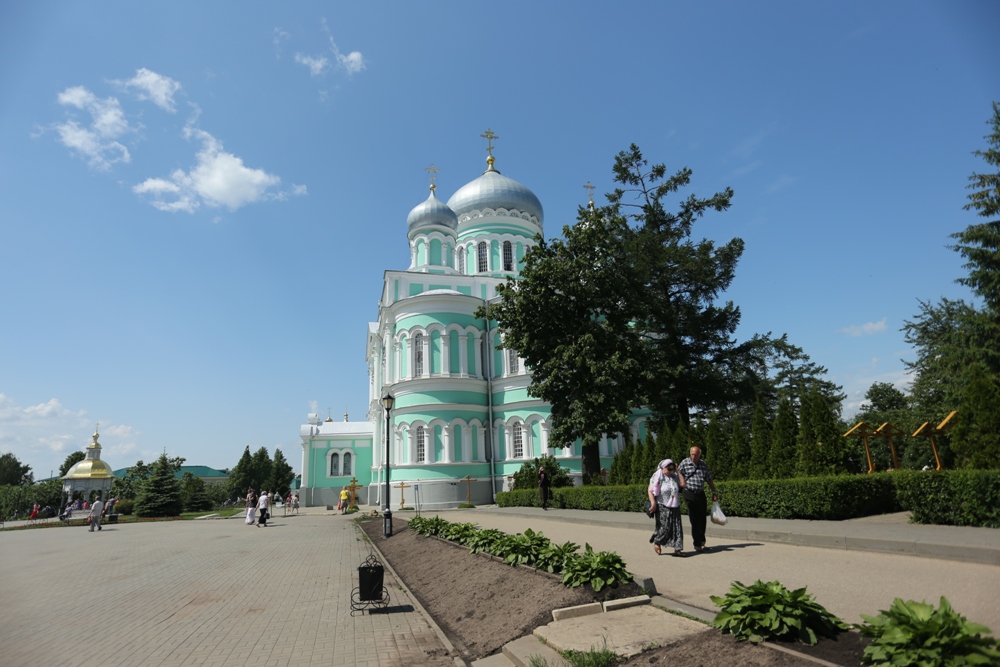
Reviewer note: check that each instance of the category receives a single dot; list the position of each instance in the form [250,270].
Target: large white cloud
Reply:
[154,87]
[317,64]
[97,142]
[218,179]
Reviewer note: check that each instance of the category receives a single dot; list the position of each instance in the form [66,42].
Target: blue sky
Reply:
[198,200]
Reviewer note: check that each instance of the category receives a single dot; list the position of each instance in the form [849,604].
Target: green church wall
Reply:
[454,353]
[438,443]
[415,289]
[435,349]
[421,252]
[435,254]
[425,320]
[495,254]
[434,287]
[494,228]
[465,289]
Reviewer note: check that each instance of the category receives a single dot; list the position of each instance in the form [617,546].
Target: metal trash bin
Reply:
[370,578]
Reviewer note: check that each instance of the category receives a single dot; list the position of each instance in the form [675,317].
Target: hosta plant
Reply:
[484,540]
[769,611]
[459,532]
[552,557]
[915,633]
[523,548]
[597,568]
[431,526]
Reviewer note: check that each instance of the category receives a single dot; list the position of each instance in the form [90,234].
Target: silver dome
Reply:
[493,190]
[430,213]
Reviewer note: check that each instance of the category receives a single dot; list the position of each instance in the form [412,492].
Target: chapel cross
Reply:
[401,486]
[433,171]
[590,191]
[469,479]
[489,137]
[352,490]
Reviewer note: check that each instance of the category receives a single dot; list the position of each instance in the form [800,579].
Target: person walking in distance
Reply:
[664,491]
[95,514]
[696,474]
[543,487]
[262,508]
[251,507]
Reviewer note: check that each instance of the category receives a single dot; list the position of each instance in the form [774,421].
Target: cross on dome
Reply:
[590,193]
[489,137]
[433,171]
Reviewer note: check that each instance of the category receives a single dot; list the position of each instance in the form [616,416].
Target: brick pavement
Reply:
[213,592]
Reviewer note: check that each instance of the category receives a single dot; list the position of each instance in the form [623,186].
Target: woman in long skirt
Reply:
[665,495]
[251,508]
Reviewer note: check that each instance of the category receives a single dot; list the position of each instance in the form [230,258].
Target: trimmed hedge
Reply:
[955,497]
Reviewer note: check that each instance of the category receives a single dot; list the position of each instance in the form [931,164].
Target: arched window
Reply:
[418,354]
[348,460]
[518,442]
[421,445]
[335,465]
[461,260]
[512,365]
[508,256]
[483,257]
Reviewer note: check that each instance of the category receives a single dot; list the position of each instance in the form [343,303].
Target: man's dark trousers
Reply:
[697,509]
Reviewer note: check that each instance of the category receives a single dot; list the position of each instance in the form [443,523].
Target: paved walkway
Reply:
[213,592]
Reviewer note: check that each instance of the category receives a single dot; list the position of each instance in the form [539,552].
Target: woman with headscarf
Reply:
[251,507]
[665,496]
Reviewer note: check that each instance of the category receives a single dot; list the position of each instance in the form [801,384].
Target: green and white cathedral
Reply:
[462,408]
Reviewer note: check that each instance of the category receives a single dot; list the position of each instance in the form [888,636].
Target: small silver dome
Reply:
[493,190]
[430,213]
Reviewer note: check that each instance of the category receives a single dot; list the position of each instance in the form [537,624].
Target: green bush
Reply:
[597,568]
[770,611]
[951,497]
[124,506]
[527,477]
[553,557]
[914,633]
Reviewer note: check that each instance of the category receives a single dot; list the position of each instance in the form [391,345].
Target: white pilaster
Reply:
[508,439]
[446,444]
[466,443]
[445,353]
[463,355]
[480,365]
[306,455]
[544,428]
[481,449]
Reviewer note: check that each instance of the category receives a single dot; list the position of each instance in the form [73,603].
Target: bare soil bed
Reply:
[481,604]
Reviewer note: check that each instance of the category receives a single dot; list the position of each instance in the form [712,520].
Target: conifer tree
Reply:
[739,452]
[241,478]
[809,463]
[160,494]
[783,456]
[760,444]
[664,444]
[624,459]
[717,453]
[638,461]
[281,474]
[831,446]
[976,438]
[261,469]
[650,462]
[681,442]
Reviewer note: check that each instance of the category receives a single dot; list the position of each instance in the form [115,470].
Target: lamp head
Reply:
[387,401]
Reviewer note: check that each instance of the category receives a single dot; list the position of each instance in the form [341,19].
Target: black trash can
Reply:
[370,582]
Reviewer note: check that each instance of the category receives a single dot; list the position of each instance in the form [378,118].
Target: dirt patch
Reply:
[482,604]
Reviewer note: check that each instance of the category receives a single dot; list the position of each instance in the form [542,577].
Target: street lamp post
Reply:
[387,402]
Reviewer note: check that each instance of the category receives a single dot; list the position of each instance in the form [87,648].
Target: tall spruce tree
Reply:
[739,451]
[783,456]
[281,474]
[241,477]
[975,440]
[638,461]
[717,453]
[681,442]
[760,444]
[650,462]
[262,469]
[160,493]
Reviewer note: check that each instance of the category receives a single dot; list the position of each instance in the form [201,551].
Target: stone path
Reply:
[213,592]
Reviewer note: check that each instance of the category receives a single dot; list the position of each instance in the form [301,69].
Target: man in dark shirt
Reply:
[696,475]
[543,487]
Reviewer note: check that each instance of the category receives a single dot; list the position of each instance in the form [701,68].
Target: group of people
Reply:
[259,507]
[667,486]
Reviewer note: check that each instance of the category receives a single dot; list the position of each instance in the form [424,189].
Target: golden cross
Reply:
[352,491]
[489,137]
[433,171]
[590,190]
[469,479]
[401,486]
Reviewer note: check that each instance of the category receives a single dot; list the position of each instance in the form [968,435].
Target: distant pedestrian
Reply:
[295,503]
[251,507]
[696,474]
[665,499]
[95,514]
[543,487]
[343,500]
[262,506]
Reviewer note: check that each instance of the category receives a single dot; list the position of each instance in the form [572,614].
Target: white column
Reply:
[508,439]
[463,355]
[426,344]
[529,441]
[306,455]
[412,370]
[481,437]
[413,254]
[411,435]
[480,365]
[466,443]
[545,437]
[445,353]
[446,444]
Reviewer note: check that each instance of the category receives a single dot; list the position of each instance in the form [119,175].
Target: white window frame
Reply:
[461,261]
[421,445]
[418,354]
[508,256]
[335,464]
[482,257]
[518,438]
[513,366]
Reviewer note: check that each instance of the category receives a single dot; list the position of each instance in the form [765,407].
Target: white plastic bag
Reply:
[717,515]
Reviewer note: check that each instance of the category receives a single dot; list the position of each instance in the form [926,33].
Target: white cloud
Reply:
[154,87]
[280,36]
[317,64]
[866,329]
[218,179]
[98,142]
[353,62]
[299,190]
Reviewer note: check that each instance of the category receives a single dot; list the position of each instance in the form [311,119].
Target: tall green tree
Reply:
[680,447]
[160,494]
[281,474]
[13,472]
[760,444]
[717,450]
[262,469]
[128,485]
[783,455]
[241,478]
[72,459]
[975,440]
[739,452]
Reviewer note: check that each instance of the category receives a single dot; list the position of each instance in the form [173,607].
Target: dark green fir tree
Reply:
[160,494]
[783,457]
[760,444]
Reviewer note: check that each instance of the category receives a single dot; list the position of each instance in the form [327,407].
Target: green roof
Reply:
[197,471]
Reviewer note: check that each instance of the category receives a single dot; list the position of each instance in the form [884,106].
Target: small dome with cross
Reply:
[431,213]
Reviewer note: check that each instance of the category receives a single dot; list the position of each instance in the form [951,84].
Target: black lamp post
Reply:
[387,402]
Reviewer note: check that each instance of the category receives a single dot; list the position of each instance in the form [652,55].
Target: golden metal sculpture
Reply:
[864,430]
[469,479]
[401,486]
[928,431]
[888,431]
[352,493]
[433,171]
[489,137]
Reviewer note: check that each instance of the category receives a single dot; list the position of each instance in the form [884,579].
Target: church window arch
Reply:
[512,366]
[348,462]
[508,256]
[421,445]
[518,438]
[335,465]
[418,354]
[482,257]
[461,260]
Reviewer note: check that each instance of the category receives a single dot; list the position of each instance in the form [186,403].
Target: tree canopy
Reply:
[13,472]
[160,493]
[72,459]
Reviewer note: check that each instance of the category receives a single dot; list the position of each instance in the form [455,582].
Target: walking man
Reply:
[543,487]
[95,514]
[696,475]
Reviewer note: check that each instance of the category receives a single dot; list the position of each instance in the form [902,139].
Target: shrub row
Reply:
[597,569]
[952,497]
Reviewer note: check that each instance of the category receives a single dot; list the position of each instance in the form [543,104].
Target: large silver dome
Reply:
[493,190]
[431,213]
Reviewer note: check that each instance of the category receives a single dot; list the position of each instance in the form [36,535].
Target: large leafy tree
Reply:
[622,313]
[13,472]
[72,459]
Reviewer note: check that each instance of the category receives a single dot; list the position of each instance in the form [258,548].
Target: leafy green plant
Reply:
[765,611]
[602,657]
[484,540]
[523,548]
[552,557]
[597,568]
[915,633]
[459,532]
[425,526]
